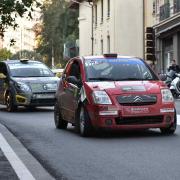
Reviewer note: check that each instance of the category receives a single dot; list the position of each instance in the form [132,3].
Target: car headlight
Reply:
[101,97]
[23,86]
[166,95]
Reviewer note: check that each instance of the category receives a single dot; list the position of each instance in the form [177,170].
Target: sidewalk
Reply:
[16,162]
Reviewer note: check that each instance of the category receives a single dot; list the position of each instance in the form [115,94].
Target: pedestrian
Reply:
[174,66]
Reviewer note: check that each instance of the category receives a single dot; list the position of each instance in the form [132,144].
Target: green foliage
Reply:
[27,55]
[60,25]
[10,9]
[5,54]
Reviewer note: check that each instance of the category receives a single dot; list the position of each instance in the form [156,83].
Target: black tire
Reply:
[30,108]
[10,106]
[172,128]
[60,123]
[83,125]
[175,95]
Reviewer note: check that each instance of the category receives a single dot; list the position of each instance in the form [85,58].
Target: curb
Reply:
[31,164]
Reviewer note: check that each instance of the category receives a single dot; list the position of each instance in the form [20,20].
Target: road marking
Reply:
[18,166]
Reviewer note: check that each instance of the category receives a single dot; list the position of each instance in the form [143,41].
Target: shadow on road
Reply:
[29,109]
[106,134]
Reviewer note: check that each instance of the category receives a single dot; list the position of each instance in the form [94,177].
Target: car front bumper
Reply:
[150,117]
[35,99]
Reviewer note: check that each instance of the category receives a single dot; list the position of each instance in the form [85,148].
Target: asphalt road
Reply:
[146,155]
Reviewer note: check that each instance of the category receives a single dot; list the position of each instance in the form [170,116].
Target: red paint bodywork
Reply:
[99,121]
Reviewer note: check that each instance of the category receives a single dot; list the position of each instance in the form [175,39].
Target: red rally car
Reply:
[113,92]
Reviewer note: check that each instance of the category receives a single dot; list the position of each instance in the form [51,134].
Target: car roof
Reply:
[118,56]
[21,61]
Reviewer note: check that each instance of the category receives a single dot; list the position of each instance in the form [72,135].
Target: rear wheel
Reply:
[172,128]
[60,123]
[10,106]
[84,124]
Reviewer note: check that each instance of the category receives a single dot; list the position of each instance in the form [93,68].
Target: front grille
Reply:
[139,120]
[43,87]
[43,102]
[137,100]
[36,87]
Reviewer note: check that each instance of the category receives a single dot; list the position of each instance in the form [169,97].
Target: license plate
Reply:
[136,110]
[45,96]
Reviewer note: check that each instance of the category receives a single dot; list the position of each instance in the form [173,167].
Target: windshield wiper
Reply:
[135,79]
[113,79]
[102,79]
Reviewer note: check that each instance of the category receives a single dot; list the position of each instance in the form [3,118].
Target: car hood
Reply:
[119,87]
[37,79]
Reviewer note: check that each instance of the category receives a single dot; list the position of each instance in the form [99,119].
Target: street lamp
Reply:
[52,59]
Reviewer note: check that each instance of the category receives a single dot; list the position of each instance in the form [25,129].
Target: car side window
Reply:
[75,70]
[3,69]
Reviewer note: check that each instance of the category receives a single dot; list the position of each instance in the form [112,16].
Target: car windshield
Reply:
[118,69]
[29,70]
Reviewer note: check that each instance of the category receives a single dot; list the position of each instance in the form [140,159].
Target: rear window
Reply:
[118,69]
[29,70]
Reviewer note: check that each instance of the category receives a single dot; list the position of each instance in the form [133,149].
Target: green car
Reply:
[26,83]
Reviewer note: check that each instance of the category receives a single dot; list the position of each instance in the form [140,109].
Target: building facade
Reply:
[114,26]
[23,35]
[167,32]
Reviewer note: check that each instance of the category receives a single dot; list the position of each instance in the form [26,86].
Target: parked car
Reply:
[26,83]
[113,92]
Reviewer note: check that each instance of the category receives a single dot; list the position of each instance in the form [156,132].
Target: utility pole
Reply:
[21,44]
[52,60]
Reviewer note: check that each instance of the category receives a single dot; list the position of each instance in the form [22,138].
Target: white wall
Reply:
[85,29]
[128,35]
[125,27]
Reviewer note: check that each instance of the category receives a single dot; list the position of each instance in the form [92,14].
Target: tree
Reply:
[10,9]
[5,54]
[60,24]
[27,54]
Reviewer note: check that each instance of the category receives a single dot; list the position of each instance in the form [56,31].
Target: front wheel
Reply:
[10,106]
[84,124]
[60,123]
[172,128]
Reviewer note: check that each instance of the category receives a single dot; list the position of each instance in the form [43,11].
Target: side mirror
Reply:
[72,80]
[2,76]
[163,77]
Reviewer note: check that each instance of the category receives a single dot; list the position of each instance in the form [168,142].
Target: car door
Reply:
[3,81]
[69,96]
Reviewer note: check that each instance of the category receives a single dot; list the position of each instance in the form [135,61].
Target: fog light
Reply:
[20,99]
[168,119]
[108,122]
[107,113]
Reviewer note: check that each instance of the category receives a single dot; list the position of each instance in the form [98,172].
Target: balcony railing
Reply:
[164,11]
[176,6]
